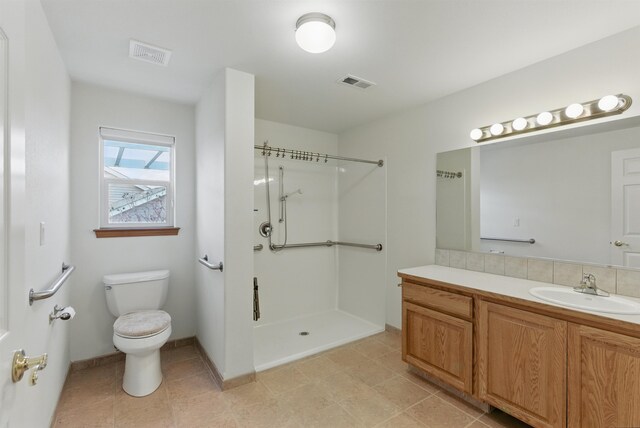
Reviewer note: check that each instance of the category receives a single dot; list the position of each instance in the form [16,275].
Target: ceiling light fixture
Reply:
[315,32]
[577,112]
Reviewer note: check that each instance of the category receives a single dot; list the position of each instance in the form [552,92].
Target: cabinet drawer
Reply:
[452,303]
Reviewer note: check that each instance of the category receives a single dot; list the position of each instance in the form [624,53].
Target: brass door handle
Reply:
[619,243]
[22,363]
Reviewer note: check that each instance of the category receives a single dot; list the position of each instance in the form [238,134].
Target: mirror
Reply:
[569,195]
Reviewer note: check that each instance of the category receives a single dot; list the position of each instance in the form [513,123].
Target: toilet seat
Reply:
[141,324]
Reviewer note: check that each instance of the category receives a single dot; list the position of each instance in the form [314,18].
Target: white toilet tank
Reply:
[130,292]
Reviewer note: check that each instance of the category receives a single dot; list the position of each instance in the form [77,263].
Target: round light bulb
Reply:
[476,134]
[544,118]
[496,129]
[315,32]
[574,110]
[608,102]
[519,124]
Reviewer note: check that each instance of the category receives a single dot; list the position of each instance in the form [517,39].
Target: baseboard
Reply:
[179,343]
[120,356]
[97,361]
[224,384]
[392,329]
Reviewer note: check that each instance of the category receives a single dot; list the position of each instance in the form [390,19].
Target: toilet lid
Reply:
[142,324]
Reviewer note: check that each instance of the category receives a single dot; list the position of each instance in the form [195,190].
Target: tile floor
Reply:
[362,384]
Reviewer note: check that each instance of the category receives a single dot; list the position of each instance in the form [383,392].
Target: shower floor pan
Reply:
[281,342]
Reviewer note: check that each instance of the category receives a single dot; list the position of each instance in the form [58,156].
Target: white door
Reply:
[14,397]
[625,208]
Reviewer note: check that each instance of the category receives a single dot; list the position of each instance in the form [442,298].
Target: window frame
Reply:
[136,137]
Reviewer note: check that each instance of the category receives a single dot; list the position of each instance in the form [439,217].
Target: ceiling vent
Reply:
[355,82]
[149,53]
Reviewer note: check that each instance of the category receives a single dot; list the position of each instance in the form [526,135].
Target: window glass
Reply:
[137,179]
[137,204]
[136,161]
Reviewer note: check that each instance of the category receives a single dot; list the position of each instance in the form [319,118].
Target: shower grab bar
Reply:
[377,247]
[309,156]
[527,241]
[258,247]
[205,261]
[67,270]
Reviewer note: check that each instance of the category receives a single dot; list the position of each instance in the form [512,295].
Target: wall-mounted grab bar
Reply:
[258,247]
[526,241]
[205,261]
[377,247]
[67,270]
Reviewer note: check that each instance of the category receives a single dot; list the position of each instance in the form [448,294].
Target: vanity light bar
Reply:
[595,109]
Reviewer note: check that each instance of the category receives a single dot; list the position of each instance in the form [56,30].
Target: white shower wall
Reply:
[362,218]
[296,282]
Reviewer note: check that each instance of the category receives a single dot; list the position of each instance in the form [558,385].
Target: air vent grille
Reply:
[149,53]
[355,82]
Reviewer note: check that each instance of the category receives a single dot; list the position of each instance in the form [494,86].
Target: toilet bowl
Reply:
[141,328]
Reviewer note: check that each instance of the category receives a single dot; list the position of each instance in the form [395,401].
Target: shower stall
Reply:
[320,283]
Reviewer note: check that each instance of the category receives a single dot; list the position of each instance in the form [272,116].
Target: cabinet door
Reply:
[522,364]
[604,378]
[439,344]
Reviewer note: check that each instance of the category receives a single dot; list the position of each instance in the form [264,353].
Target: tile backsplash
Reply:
[621,281]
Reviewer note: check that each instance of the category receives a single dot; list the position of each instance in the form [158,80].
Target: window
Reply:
[137,180]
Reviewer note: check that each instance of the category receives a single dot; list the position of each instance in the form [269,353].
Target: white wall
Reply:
[238,211]
[92,107]
[225,132]
[311,217]
[411,139]
[210,196]
[47,188]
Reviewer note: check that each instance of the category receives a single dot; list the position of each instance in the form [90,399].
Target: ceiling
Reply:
[415,50]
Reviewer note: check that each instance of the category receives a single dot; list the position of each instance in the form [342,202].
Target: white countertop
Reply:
[504,285]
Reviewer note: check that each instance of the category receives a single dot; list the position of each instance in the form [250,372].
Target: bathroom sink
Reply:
[568,297]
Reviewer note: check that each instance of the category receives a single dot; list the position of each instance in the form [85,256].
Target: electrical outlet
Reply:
[41,233]
[516,222]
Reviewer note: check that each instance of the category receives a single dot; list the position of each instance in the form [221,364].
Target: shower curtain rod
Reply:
[377,247]
[308,156]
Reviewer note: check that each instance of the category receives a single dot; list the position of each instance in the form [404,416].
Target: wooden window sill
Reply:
[146,231]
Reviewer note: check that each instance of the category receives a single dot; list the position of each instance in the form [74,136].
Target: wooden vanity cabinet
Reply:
[604,378]
[548,366]
[436,339]
[522,363]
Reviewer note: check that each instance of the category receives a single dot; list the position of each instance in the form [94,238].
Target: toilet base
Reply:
[142,373]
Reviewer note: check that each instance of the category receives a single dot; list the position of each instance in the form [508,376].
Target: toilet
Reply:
[141,328]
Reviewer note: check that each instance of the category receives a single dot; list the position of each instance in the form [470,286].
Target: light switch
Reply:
[41,233]
[516,222]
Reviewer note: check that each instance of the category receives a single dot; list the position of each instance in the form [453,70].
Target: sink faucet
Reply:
[588,286]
